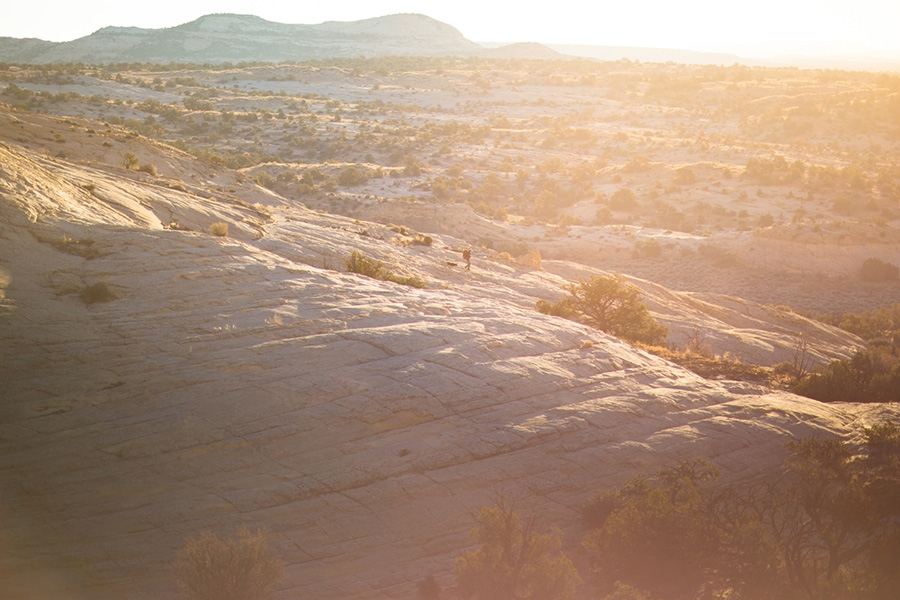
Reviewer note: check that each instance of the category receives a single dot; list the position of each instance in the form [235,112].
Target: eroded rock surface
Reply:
[247,380]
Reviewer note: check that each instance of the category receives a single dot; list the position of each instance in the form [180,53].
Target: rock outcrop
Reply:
[158,381]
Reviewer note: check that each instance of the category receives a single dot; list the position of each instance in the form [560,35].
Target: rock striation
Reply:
[249,380]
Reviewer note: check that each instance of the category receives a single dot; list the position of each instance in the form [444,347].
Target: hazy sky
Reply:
[652,23]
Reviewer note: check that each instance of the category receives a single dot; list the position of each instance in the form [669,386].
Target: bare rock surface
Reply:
[248,380]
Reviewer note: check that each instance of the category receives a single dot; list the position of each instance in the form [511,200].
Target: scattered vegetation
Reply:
[301,143]
[874,269]
[84,248]
[361,264]
[715,367]
[516,560]
[242,567]
[872,325]
[871,375]
[826,526]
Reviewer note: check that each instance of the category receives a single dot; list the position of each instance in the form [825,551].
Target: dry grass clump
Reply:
[148,168]
[418,239]
[220,229]
[96,292]
[716,367]
[82,248]
[531,259]
[242,567]
[360,264]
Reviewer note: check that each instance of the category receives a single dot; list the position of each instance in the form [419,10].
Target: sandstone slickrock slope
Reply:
[247,380]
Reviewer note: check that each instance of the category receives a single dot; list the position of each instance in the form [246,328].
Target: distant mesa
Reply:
[235,38]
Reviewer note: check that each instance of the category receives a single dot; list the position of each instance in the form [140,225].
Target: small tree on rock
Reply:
[516,561]
[614,306]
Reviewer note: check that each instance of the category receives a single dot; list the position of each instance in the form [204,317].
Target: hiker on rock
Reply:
[467,256]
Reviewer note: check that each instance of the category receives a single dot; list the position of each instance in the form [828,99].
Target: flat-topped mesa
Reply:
[228,22]
[235,37]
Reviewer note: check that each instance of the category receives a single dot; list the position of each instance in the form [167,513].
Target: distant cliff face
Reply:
[235,38]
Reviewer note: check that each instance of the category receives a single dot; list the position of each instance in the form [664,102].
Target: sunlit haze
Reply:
[695,24]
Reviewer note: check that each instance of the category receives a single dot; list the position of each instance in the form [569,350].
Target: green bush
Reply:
[869,376]
[360,264]
[880,323]
[516,561]
[363,265]
[825,526]
[352,176]
[623,199]
[874,269]
[609,304]
[685,176]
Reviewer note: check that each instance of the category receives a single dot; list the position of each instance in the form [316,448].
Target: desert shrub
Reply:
[696,343]
[626,592]
[360,264]
[874,269]
[562,308]
[83,248]
[873,324]
[637,164]
[219,228]
[685,176]
[286,176]
[797,368]
[352,176]
[655,532]
[412,166]
[418,239]
[531,259]
[130,161]
[516,560]
[611,304]
[515,248]
[148,168]
[623,199]
[265,180]
[410,280]
[242,567]
[765,220]
[567,220]
[869,376]
[96,292]
[429,588]
[648,249]
[824,526]
[720,257]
